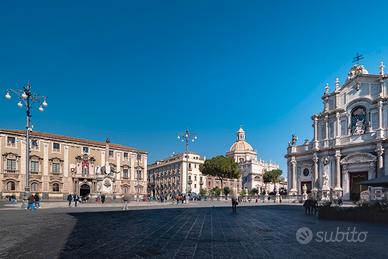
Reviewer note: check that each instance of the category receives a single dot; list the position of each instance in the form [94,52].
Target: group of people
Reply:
[33,201]
[180,198]
[73,198]
[310,206]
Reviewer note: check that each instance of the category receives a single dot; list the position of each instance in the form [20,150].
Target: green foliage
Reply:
[243,192]
[216,191]
[226,191]
[221,167]
[203,192]
[254,191]
[273,176]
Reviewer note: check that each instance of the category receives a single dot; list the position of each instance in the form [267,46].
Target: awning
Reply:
[381,181]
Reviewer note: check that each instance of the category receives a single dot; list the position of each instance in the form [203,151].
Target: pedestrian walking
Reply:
[31,202]
[103,198]
[75,199]
[69,199]
[37,200]
[234,204]
[125,201]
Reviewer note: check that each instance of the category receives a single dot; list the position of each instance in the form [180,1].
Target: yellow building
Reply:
[60,165]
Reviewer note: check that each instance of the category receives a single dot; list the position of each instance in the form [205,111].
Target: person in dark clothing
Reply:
[75,199]
[37,200]
[103,198]
[234,204]
[69,199]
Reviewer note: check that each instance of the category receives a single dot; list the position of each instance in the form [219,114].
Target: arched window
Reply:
[34,187]
[125,189]
[11,186]
[358,120]
[55,187]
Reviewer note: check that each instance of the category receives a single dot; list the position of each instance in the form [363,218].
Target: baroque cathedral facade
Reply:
[349,141]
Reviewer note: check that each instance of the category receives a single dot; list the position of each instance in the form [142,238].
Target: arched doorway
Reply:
[84,190]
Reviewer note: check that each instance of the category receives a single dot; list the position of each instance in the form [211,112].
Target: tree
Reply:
[243,193]
[254,191]
[273,176]
[217,191]
[226,192]
[203,192]
[221,167]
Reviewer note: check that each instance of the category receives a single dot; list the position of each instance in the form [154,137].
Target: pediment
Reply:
[358,158]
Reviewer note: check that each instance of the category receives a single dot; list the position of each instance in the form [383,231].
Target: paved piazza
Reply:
[184,231]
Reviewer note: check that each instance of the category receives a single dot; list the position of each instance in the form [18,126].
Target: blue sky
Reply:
[142,71]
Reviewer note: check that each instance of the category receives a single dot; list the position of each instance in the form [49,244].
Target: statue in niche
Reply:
[358,120]
[359,128]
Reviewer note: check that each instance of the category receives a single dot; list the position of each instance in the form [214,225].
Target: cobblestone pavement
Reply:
[209,232]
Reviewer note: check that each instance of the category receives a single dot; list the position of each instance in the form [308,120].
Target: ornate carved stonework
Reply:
[358,158]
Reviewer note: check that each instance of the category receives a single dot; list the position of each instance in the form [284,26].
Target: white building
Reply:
[350,136]
[252,169]
[175,175]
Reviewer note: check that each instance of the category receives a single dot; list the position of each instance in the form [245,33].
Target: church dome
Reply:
[240,144]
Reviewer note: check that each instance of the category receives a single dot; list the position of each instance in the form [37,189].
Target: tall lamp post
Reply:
[27,99]
[138,174]
[187,137]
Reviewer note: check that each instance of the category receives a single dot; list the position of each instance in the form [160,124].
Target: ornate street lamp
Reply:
[187,137]
[138,175]
[27,99]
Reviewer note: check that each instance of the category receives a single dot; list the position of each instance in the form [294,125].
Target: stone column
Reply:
[326,131]
[315,119]
[316,173]
[380,159]
[338,171]
[380,131]
[293,190]
[338,129]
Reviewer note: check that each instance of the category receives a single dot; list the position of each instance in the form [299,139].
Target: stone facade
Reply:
[175,175]
[350,136]
[181,174]
[61,165]
[251,168]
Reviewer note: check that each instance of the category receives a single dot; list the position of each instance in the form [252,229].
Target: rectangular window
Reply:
[195,178]
[56,147]
[125,173]
[125,155]
[34,144]
[56,168]
[374,120]
[34,166]
[11,164]
[344,130]
[331,129]
[85,150]
[11,141]
[110,154]
[195,185]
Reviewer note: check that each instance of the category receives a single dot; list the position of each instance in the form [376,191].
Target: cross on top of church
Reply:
[357,58]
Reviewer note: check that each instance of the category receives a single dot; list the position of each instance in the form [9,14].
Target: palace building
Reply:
[251,168]
[176,175]
[61,165]
[180,174]
[349,141]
